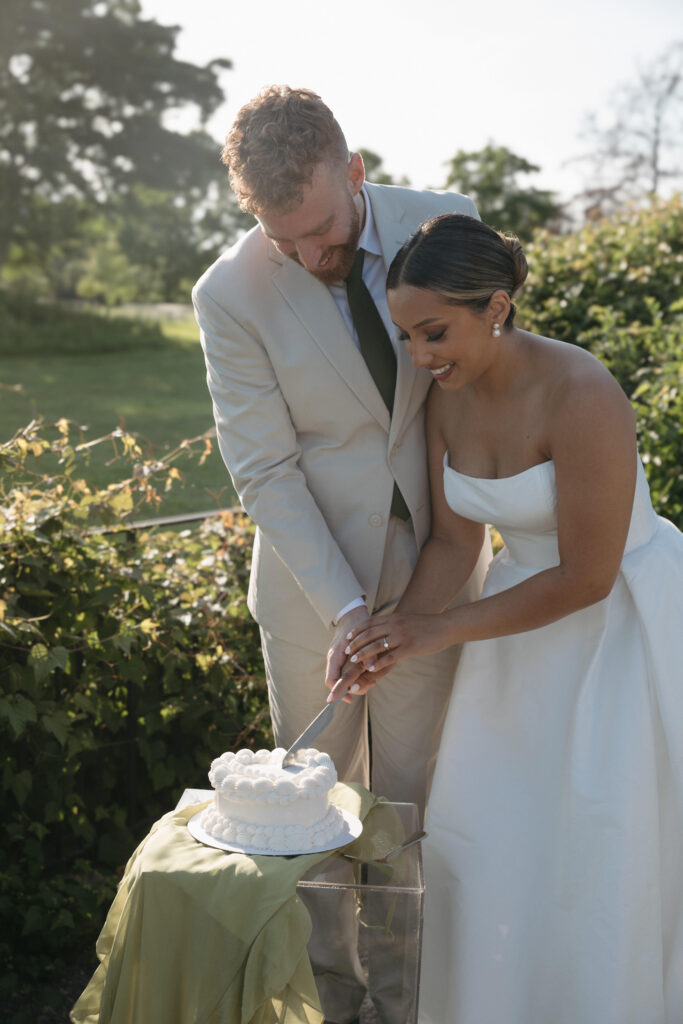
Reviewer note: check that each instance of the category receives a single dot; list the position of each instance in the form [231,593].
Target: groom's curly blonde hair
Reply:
[275,144]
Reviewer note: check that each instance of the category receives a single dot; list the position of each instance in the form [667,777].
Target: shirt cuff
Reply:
[356,603]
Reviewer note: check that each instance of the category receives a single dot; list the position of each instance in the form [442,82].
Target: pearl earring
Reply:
[496,330]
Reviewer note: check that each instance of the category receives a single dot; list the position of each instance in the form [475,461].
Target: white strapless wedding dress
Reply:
[554,858]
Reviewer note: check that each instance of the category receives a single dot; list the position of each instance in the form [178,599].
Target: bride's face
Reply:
[453,342]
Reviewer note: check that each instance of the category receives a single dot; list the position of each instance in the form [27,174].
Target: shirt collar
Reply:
[369,238]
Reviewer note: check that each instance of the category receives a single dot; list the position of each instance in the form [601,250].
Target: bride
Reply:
[554,863]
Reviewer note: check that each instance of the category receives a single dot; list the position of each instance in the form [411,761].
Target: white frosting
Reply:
[260,804]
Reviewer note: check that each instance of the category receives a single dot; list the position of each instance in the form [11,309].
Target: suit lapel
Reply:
[317,311]
[314,306]
[389,214]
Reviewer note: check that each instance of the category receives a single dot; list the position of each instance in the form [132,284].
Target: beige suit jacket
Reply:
[306,437]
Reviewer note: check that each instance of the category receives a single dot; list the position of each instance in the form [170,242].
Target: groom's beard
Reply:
[341,256]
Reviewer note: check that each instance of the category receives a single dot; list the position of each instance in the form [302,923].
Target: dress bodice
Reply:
[523,508]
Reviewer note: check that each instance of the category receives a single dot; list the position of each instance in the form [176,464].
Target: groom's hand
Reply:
[356,680]
[336,657]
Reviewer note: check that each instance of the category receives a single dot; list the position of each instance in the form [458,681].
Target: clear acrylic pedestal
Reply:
[367,922]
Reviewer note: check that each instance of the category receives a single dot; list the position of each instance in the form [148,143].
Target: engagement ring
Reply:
[385,644]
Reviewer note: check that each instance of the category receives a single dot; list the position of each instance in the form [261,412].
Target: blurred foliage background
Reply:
[614,287]
[127,656]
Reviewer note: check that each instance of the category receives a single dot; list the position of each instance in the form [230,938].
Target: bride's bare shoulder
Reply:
[566,367]
[577,384]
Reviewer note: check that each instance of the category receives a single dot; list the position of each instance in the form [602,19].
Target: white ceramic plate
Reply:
[350,830]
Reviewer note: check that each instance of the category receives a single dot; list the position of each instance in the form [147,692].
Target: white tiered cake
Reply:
[260,805]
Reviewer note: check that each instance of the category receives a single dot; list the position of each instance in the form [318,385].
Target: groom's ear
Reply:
[355,172]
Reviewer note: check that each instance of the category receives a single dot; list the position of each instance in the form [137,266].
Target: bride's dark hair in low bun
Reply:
[462,260]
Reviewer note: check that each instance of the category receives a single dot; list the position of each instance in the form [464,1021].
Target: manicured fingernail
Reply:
[354,658]
[349,636]
[347,650]
[355,688]
[371,668]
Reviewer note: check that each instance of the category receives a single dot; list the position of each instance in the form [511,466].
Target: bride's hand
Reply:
[379,644]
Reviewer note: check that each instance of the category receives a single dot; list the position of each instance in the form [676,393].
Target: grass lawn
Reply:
[159,394]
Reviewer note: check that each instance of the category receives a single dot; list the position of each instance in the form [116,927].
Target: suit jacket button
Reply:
[375,519]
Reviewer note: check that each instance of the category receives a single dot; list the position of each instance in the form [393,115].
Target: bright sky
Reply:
[416,81]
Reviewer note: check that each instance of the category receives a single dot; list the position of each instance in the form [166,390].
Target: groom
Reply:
[335,482]
[320,421]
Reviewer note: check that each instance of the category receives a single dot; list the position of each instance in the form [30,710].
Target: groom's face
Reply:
[321,233]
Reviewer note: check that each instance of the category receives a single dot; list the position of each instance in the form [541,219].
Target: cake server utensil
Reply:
[311,732]
[413,838]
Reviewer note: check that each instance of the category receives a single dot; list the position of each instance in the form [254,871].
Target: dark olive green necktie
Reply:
[376,349]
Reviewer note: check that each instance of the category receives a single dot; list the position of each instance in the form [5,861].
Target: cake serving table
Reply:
[198,935]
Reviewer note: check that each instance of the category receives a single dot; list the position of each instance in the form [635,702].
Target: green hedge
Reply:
[30,328]
[614,287]
[128,660]
[626,263]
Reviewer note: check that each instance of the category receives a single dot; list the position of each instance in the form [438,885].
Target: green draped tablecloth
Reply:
[201,936]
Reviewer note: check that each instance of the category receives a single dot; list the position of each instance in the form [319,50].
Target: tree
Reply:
[375,172]
[172,241]
[639,147]
[84,87]
[148,245]
[491,177]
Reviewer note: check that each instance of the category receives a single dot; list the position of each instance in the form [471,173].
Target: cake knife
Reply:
[311,732]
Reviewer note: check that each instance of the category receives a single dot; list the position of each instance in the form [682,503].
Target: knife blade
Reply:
[311,732]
